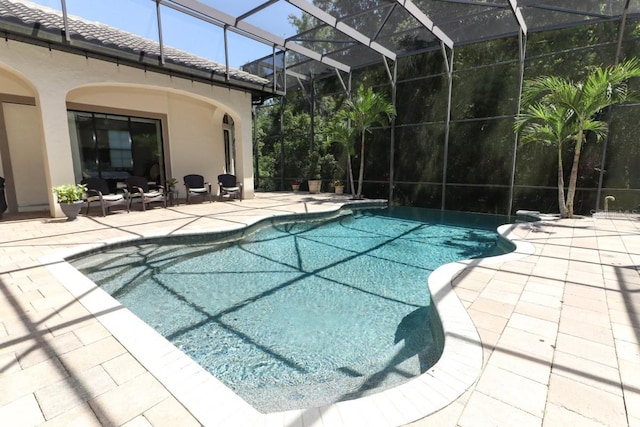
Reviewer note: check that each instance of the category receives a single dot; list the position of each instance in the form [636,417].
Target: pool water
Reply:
[302,314]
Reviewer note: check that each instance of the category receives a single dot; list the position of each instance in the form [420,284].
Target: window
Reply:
[228,135]
[120,149]
[114,147]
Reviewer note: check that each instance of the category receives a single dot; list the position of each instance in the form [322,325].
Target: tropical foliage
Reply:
[366,109]
[288,152]
[559,111]
[69,193]
[465,159]
[340,131]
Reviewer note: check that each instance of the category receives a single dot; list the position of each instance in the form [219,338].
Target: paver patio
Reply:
[559,327]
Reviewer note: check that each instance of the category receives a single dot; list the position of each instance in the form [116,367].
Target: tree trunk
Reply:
[573,179]
[361,171]
[561,199]
[350,171]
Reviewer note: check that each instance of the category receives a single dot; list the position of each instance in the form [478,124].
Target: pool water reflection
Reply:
[300,314]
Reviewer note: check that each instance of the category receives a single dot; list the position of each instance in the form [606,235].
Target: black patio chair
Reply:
[98,191]
[195,186]
[139,190]
[229,187]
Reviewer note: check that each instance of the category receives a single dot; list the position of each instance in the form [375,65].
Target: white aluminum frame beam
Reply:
[518,14]
[330,20]
[223,20]
[418,14]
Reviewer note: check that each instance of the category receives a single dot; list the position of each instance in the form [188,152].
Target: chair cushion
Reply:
[113,197]
[198,190]
[153,194]
[231,189]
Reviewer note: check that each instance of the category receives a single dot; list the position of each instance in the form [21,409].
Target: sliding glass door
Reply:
[114,147]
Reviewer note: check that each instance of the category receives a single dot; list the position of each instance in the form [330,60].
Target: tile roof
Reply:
[51,20]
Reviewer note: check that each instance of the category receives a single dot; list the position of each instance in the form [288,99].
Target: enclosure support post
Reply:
[256,152]
[226,54]
[160,40]
[275,70]
[349,176]
[282,102]
[523,50]
[449,64]
[312,115]
[393,77]
[392,142]
[65,21]
[605,143]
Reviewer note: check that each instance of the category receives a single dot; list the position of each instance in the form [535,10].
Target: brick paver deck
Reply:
[559,328]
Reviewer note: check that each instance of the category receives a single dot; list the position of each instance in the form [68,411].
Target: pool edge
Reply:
[456,371]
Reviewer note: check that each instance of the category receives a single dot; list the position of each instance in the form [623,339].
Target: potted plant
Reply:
[312,171]
[338,186]
[171,184]
[70,198]
[295,185]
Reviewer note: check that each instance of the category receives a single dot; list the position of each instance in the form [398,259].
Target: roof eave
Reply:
[55,39]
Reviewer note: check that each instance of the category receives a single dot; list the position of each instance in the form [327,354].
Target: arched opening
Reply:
[228,136]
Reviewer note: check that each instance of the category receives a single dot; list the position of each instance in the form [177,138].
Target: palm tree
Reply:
[365,110]
[341,131]
[558,111]
[551,124]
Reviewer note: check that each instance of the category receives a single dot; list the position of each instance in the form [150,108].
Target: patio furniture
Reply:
[195,186]
[229,187]
[3,200]
[140,191]
[98,191]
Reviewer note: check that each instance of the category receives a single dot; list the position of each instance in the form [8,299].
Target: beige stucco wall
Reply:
[12,83]
[193,110]
[27,165]
[20,139]
[194,149]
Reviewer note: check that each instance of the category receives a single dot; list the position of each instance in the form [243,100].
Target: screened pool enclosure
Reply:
[452,145]
[453,69]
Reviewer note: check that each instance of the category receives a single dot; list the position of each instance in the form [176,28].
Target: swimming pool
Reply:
[302,312]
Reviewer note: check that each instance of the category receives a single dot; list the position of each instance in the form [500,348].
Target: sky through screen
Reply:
[185,32]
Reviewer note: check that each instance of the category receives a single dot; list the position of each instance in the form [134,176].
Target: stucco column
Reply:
[244,152]
[56,150]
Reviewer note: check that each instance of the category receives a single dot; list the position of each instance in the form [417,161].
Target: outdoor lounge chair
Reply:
[229,187]
[98,191]
[195,186]
[139,191]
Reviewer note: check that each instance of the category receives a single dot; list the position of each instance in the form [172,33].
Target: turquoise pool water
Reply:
[300,314]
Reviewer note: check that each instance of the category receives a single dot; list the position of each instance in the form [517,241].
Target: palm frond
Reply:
[340,131]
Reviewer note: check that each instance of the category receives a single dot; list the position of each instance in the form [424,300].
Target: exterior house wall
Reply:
[192,131]
[19,139]
[13,84]
[195,150]
[27,165]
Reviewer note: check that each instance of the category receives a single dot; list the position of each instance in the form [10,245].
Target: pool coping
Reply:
[213,403]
